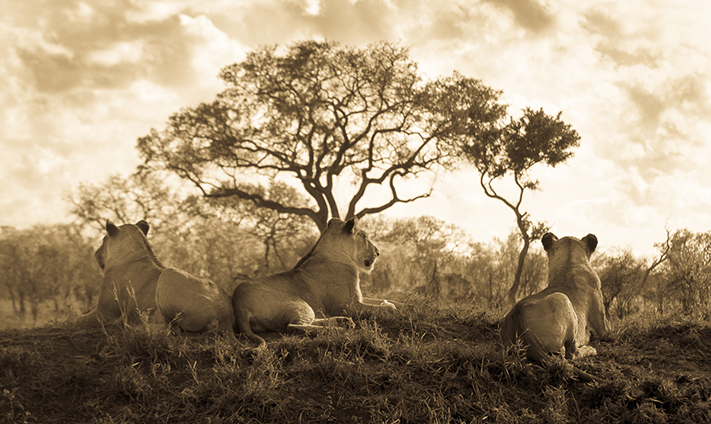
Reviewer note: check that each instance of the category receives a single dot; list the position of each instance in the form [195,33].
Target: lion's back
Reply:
[582,287]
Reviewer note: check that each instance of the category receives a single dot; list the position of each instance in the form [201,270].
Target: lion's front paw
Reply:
[388,305]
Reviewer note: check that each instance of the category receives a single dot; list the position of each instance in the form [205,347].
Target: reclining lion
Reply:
[324,283]
[130,269]
[558,320]
[136,282]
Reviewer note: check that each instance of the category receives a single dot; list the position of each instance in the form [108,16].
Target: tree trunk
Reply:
[23,309]
[513,292]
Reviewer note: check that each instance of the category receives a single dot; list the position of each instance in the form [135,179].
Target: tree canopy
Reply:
[319,113]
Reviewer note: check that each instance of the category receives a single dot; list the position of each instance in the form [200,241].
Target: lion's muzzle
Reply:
[370,262]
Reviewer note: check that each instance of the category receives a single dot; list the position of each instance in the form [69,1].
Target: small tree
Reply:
[498,149]
[126,200]
[45,263]
[416,253]
[484,269]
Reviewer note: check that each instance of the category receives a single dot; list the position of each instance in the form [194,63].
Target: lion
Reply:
[322,286]
[559,319]
[136,283]
[131,270]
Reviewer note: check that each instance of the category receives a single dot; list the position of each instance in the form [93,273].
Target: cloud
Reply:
[529,14]
[625,45]
[655,68]
[82,83]
[283,21]
[210,49]
[104,45]
[122,52]
[666,120]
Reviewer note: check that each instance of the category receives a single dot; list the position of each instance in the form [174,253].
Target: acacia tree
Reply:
[321,114]
[499,149]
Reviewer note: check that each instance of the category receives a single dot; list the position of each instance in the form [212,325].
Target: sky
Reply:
[82,80]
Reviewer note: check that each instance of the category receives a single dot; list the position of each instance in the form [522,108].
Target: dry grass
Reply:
[437,363]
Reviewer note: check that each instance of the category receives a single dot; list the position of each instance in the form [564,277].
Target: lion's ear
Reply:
[350,225]
[143,226]
[548,239]
[111,228]
[590,241]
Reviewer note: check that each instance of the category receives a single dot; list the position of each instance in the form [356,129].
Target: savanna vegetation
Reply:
[240,187]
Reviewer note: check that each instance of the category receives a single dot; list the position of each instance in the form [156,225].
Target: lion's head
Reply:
[344,242]
[568,250]
[120,243]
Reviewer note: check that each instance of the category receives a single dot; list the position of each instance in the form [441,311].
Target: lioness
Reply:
[136,282]
[558,319]
[130,269]
[323,283]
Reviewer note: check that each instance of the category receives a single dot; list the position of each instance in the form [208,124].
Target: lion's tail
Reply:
[537,352]
[242,323]
[534,347]
[585,376]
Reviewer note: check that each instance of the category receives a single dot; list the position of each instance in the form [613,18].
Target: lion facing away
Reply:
[131,270]
[324,283]
[136,282]
[558,320]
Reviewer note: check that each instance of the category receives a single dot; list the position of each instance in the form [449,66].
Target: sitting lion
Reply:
[136,282]
[323,283]
[558,320]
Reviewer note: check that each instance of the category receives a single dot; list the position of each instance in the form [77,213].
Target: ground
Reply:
[429,362]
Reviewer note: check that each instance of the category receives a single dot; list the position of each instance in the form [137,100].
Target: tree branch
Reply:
[395,199]
[491,192]
[260,201]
